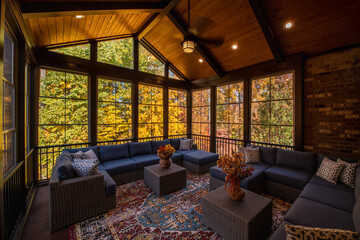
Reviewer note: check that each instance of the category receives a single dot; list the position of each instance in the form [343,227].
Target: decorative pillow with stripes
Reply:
[329,170]
[296,232]
[347,175]
[85,168]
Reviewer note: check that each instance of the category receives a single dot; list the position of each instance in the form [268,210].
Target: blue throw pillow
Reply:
[65,171]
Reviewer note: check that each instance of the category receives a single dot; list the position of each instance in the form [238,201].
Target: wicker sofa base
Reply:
[199,169]
[281,190]
[127,177]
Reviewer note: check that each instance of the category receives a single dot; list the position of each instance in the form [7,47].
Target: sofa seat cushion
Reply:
[318,180]
[313,214]
[185,151]
[110,185]
[218,173]
[176,157]
[201,157]
[112,152]
[288,176]
[329,196]
[145,160]
[305,161]
[117,166]
[139,148]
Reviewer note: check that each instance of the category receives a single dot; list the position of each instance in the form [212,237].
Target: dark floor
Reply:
[37,223]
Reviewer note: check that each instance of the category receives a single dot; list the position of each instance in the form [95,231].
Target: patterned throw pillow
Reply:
[89,155]
[329,170]
[252,155]
[295,232]
[77,155]
[348,173]
[186,144]
[85,168]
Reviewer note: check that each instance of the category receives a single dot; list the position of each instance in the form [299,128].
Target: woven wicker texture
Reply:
[249,218]
[76,199]
[199,169]
[162,181]
[281,190]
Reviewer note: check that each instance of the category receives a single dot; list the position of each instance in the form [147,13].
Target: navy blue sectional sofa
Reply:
[290,174]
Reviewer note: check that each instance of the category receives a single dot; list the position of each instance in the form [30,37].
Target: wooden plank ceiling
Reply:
[319,26]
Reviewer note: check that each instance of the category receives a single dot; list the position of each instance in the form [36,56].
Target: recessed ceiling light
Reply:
[289,25]
[201,60]
[234,46]
[79,16]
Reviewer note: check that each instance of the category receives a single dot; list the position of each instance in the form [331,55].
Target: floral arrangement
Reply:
[235,168]
[165,152]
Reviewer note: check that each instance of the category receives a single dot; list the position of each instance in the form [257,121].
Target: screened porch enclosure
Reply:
[79,109]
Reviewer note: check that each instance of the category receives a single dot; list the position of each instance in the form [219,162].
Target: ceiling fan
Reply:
[191,39]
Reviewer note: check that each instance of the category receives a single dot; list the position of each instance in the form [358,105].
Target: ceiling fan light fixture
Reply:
[188,46]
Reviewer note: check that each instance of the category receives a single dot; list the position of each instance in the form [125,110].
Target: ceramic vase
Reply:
[165,162]
[235,192]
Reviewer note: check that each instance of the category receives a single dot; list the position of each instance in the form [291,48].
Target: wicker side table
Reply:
[250,218]
[163,181]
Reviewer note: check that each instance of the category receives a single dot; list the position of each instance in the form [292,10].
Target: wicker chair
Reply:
[77,199]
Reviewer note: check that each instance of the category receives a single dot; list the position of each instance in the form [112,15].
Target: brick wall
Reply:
[332,103]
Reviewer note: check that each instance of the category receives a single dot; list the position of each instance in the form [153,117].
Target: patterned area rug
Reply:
[141,214]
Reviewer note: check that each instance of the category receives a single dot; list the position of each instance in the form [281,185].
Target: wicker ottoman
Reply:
[163,181]
[199,161]
[250,218]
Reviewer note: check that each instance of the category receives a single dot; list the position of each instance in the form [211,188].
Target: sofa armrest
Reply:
[194,146]
[74,192]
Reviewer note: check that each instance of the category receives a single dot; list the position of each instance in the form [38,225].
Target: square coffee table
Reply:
[250,218]
[163,181]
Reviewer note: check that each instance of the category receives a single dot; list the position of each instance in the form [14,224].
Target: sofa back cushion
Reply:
[156,144]
[175,143]
[64,169]
[74,150]
[139,148]
[113,152]
[305,161]
[267,154]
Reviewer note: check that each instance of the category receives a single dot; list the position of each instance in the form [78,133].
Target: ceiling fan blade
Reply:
[200,24]
[212,41]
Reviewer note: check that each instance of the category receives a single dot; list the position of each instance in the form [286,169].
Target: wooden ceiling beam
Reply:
[180,25]
[263,21]
[54,9]
[170,5]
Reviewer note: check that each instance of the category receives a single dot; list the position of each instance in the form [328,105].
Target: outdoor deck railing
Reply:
[287,147]
[227,146]
[14,198]
[46,155]
[203,142]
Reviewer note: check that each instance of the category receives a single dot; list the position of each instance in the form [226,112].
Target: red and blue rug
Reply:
[141,214]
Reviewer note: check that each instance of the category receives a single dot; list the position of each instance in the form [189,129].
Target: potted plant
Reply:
[165,153]
[236,170]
